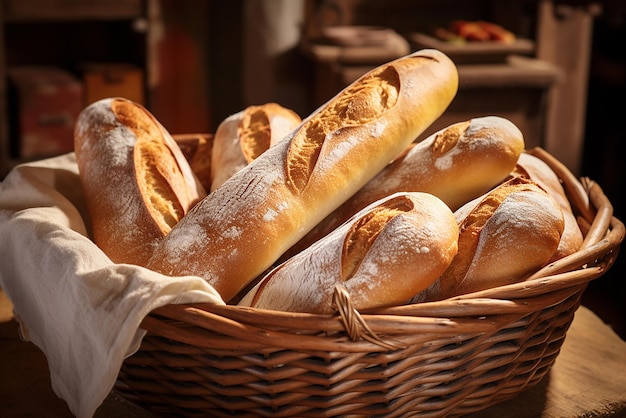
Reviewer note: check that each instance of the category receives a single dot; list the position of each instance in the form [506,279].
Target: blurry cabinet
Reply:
[540,84]
[101,43]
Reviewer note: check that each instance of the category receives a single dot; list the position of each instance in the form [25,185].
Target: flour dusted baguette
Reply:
[242,228]
[136,181]
[386,253]
[535,169]
[456,164]
[504,236]
[243,136]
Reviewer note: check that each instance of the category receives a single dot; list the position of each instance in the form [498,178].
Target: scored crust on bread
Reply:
[386,253]
[504,236]
[243,136]
[136,181]
[241,229]
[456,164]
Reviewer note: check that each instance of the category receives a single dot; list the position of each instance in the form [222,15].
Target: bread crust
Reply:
[392,249]
[197,149]
[535,169]
[456,164]
[136,181]
[243,136]
[504,236]
[243,227]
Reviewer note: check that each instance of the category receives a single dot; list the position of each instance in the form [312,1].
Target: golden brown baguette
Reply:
[136,181]
[535,169]
[456,164]
[504,237]
[242,228]
[243,136]
[389,251]
[197,149]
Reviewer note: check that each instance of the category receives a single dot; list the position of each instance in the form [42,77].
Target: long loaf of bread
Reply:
[137,182]
[242,228]
[385,254]
[243,136]
[535,169]
[504,236]
[456,164]
[197,149]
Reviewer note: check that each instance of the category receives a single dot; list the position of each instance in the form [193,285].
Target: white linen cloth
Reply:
[82,310]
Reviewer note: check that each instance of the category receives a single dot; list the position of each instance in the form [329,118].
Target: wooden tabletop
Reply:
[587,380]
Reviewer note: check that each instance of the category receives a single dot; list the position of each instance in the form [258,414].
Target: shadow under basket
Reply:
[433,359]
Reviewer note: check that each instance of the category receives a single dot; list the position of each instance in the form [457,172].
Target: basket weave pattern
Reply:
[433,359]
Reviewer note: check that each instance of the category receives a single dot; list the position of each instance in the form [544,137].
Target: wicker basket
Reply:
[433,359]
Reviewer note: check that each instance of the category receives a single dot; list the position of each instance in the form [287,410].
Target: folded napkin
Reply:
[82,310]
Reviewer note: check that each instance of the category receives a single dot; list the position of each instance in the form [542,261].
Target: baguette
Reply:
[456,164]
[243,136]
[197,149]
[535,169]
[136,181]
[242,228]
[504,236]
[389,251]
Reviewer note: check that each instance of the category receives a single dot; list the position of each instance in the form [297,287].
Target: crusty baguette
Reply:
[197,149]
[242,228]
[535,169]
[456,164]
[504,236]
[136,181]
[389,251]
[243,136]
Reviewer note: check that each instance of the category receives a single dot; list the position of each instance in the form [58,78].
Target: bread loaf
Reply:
[389,251]
[137,183]
[243,227]
[504,236]
[242,137]
[197,149]
[456,164]
[535,169]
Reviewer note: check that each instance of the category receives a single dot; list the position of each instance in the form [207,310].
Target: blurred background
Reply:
[555,68]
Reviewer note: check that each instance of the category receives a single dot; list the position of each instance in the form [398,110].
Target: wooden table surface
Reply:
[587,380]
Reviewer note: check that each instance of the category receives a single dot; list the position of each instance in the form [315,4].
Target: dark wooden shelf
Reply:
[70,10]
